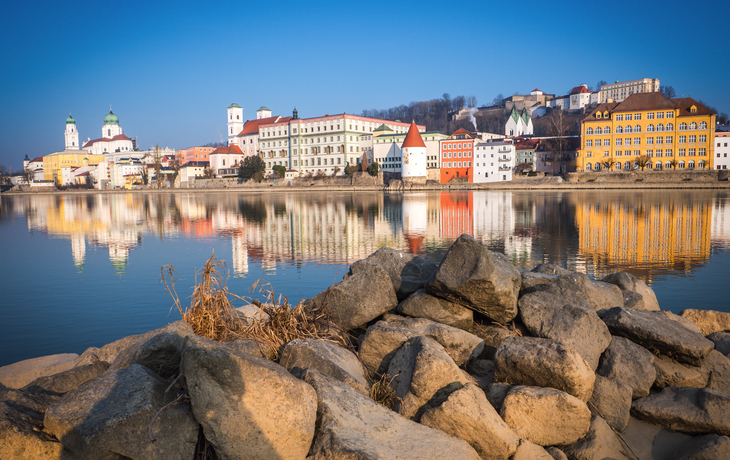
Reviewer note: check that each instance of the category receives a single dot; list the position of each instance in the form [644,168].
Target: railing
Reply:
[504,149]
[505,168]
[505,158]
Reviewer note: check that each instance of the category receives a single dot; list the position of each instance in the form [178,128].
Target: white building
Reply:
[413,156]
[112,138]
[580,96]
[71,134]
[518,123]
[619,91]
[493,161]
[246,135]
[387,150]
[224,160]
[722,159]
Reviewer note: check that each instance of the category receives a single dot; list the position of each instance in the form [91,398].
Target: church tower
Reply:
[235,122]
[111,126]
[413,158]
[72,135]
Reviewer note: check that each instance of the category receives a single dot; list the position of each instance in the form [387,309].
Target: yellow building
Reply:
[54,163]
[671,133]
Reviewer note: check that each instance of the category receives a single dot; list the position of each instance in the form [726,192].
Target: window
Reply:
[628,129]
[650,116]
[681,165]
[670,127]
[670,114]
[618,141]
[637,129]
[619,118]
[703,151]
[589,143]
[628,117]
[599,130]
[649,141]
[627,141]
[703,138]
[660,127]
[618,153]
[660,115]
[606,142]
[693,139]
[683,126]
[703,125]
[627,165]
[668,139]
[693,126]
[692,152]
[682,152]
[650,153]
[637,116]
[607,130]
[658,153]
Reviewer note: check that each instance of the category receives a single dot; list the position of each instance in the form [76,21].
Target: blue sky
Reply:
[170,69]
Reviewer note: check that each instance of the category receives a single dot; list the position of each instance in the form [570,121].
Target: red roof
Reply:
[536,90]
[230,149]
[252,126]
[579,89]
[118,137]
[413,138]
[37,159]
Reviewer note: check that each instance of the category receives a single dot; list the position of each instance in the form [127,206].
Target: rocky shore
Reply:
[465,360]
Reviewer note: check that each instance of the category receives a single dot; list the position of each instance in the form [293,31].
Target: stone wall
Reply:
[666,177]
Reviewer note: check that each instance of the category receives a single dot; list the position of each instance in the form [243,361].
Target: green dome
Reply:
[234,106]
[111,119]
[70,120]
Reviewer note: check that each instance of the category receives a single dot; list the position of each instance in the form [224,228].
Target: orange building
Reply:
[193,154]
[457,152]
[457,214]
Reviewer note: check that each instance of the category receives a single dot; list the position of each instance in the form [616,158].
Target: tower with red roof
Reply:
[413,158]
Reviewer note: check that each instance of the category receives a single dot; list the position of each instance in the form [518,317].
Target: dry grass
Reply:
[211,314]
[382,391]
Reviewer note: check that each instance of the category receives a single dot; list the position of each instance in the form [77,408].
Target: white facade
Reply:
[235,122]
[72,135]
[562,102]
[386,150]
[722,151]
[518,123]
[619,91]
[580,97]
[493,161]
[263,112]
[112,138]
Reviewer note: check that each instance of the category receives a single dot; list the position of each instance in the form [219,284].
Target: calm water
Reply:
[81,271]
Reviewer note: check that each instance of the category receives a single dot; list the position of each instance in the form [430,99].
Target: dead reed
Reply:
[382,391]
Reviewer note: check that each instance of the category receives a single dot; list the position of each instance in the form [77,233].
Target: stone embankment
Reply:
[483,361]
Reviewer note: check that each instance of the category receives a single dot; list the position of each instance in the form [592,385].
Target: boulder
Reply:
[541,362]
[496,392]
[577,326]
[716,370]
[545,416]
[21,427]
[708,447]
[670,373]
[326,357]
[160,353]
[482,371]
[579,290]
[420,304]
[529,451]
[408,273]
[64,382]
[627,282]
[250,313]
[382,340]
[532,281]
[466,414]
[721,341]
[652,442]
[109,352]
[18,375]
[252,347]
[685,409]
[551,269]
[358,299]
[556,453]
[629,363]
[708,321]
[492,335]
[611,400]
[249,407]
[108,417]
[353,426]
[422,375]
[658,332]
[599,442]
[479,279]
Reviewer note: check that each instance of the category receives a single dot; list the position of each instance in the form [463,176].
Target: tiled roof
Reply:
[229,149]
[684,103]
[252,126]
[413,138]
[651,101]
[37,159]
[118,137]
[579,89]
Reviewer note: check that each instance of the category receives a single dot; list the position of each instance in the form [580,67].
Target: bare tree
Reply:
[673,163]
[608,163]
[558,142]
[599,84]
[667,91]
[471,101]
[28,175]
[3,173]
[641,161]
[498,100]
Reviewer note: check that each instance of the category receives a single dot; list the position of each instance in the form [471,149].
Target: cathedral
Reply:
[112,139]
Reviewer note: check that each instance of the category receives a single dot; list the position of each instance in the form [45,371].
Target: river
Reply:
[83,270]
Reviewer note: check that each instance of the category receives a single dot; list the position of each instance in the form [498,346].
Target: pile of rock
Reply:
[484,362]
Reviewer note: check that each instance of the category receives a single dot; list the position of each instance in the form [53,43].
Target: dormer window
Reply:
[598,115]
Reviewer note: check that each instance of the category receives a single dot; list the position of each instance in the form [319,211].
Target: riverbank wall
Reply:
[403,358]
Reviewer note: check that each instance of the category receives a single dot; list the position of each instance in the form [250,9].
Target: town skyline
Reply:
[169,73]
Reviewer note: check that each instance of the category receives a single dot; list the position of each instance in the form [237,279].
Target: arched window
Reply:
[660,127]
[691,164]
[637,129]
[693,125]
[648,165]
[703,125]
[627,129]
[599,130]
[670,127]
[701,164]
[627,165]
[589,131]
[618,165]
[681,164]
[683,126]
[650,129]
[607,130]
[588,166]
[619,129]
[598,166]
[668,164]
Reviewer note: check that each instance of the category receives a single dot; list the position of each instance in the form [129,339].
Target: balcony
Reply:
[505,168]
[504,150]
[505,158]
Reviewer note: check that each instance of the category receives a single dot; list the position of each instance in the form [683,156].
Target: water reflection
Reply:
[595,232]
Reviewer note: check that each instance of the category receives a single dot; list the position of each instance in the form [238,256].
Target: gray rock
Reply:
[629,363]
[670,373]
[578,289]
[532,281]
[543,362]
[108,417]
[466,414]
[492,335]
[420,304]
[708,447]
[382,340]
[18,375]
[64,382]
[716,370]
[577,326]
[556,453]
[482,371]
[656,331]
[326,357]
[250,313]
[353,426]
[358,299]
[252,347]
[599,442]
[249,407]
[708,321]
[689,410]
[611,400]
[109,352]
[630,283]
[530,451]
[545,416]
[721,341]
[550,269]
[408,273]
[652,442]
[21,427]
[479,279]
[420,369]
[160,353]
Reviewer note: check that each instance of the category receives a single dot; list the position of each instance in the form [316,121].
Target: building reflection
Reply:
[592,232]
